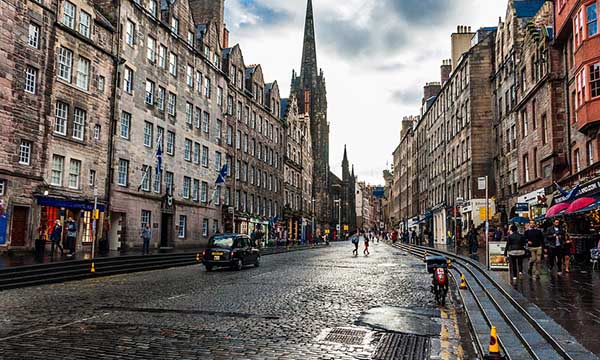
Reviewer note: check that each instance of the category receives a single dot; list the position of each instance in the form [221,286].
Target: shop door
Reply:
[19,226]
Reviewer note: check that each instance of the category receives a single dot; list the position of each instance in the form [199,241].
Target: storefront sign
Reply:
[522,207]
[587,189]
[497,260]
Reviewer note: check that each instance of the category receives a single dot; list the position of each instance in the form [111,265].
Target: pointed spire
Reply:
[309,49]
[353,171]
[345,160]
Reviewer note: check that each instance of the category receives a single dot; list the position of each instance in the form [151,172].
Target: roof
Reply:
[527,8]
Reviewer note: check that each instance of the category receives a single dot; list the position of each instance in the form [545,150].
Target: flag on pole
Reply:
[220,180]
[222,175]
[159,155]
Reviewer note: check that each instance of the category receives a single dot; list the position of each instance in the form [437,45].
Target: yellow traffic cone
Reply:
[93,269]
[197,257]
[463,282]
[494,348]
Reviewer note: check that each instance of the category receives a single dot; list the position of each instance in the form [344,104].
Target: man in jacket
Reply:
[535,242]
[146,236]
[56,237]
[515,249]
[555,237]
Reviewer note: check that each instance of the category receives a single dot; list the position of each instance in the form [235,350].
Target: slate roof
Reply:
[527,8]
[284,105]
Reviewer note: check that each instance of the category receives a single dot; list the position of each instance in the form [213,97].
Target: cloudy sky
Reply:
[376,56]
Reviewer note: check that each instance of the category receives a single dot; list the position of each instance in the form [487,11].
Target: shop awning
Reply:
[582,204]
[69,204]
[557,209]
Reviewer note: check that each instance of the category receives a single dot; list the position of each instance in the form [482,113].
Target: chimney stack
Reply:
[445,70]
[205,11]
[460,43]
[431,89]
[225,37]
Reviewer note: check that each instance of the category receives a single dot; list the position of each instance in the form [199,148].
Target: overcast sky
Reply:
[376,56]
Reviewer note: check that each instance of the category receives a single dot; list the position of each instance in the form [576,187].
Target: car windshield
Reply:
[221,241]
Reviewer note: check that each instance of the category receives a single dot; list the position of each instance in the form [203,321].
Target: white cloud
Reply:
[369,50]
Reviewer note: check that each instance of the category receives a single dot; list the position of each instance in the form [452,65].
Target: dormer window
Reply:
[240,79]
[152,7]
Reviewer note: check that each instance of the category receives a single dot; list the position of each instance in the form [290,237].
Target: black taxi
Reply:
[230,250]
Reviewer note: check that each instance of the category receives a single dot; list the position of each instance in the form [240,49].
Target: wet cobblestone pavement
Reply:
[282,310]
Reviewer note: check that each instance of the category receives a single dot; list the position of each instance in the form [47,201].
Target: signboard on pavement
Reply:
[497,260]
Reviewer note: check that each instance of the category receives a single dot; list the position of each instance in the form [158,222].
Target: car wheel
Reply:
[239,265]
[208,268]
[257,262]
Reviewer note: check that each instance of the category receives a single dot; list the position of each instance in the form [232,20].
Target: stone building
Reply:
[540,112]
[459,137]
[343,192]
[406,169]
[394,194]
[297,174]
[576,38]
[169,104]
[505,84]
[255,143]
[56,82]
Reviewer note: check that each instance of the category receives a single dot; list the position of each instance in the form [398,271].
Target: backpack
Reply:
[355,240]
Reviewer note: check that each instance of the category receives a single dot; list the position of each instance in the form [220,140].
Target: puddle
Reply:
[418,321]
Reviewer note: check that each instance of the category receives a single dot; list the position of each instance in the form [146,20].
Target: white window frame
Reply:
[160,98]
[85,21]
[196,190]
[60,118]
[207,87]
[79,119]
[58,166]
[190,38]
[25,152]
[189,76]
[65,64]
[128,80]
[196,154]
[175,25]
[151,49]
[153,7]
[205,157]
[34,35]
[130,33]
[173,64]
[149,92]
[187,184]
[69,14]
[123,172]
[205,122]
[172,104]
[146,178]
[125,125]
[205,227]
[182,226]
[170,143]
[31,79]
[148,133]
[74,173]
[162,56]
[92,178]
[204,192]
[83,73]
[187,150]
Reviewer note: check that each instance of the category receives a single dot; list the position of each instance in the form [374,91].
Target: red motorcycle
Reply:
[438,267]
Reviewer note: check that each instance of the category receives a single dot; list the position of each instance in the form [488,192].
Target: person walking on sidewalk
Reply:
[515,248]
[56,237]
[535,243]
[366,241]
[71,235]
[555,238]
[146,236]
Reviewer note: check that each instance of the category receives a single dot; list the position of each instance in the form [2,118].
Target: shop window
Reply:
[86,233]
[182,226]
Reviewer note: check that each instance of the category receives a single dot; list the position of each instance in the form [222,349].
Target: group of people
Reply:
[366,236]
[537,244]
[56,237]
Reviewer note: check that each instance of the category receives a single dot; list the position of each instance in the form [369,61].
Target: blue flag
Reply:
[222,175]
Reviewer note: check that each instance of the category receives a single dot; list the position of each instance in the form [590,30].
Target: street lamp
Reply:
[339,202]
[313,201]
[458,202]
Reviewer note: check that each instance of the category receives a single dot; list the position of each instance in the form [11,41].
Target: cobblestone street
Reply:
[283,309]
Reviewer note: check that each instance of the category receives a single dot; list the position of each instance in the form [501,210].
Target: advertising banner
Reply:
[497,259]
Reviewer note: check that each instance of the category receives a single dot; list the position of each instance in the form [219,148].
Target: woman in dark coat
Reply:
[515,249]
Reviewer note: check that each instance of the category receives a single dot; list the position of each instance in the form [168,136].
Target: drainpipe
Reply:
[567,109]
[113,109]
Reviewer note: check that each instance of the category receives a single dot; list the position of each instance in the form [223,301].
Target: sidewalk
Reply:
[572,300]
[11,261]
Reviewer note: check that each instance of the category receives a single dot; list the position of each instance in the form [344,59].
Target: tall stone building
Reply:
[298,166]
[310,89]
[56,83]
[505,84]
[343,192]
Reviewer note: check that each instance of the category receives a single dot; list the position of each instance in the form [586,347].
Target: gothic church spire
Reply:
[309,67]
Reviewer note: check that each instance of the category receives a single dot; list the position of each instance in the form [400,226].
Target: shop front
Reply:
[439,225]
[82,212]
[536,204]
[473,213]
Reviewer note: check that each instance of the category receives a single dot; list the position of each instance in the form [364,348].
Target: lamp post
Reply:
[457,203]
[339,202]
[313,201]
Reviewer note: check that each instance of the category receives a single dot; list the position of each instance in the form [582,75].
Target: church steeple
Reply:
[345,167]
[309,67]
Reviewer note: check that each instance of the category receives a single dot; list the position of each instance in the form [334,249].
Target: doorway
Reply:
[18,231]
[166,226]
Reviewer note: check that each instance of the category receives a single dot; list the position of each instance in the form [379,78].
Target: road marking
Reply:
[175,297]
[50,328]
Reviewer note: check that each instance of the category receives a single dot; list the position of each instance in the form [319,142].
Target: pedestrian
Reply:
[515,249]
[498,234]
[394,236]
[366,241]
[355,243]
[146,235]
[568,250]
[535,243]
[555,237]
[413,237]
[71,235]
[472,237]
[55,238]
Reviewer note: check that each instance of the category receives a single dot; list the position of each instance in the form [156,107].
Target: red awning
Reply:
[557,209]
[579,204]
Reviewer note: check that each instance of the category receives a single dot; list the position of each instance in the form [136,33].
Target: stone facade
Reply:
[57,86]
[541,113]
[298,166]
